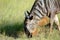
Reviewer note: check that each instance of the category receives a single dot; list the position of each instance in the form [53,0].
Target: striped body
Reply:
[44,7]
[39,10]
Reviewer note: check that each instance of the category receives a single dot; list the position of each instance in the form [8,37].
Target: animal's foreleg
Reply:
[51,21]
[51,25]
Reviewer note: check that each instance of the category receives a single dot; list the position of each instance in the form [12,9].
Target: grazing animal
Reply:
[39,11]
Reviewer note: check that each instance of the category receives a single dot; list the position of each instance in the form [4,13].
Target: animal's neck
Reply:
[38,8]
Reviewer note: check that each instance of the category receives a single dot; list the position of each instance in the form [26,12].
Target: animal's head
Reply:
[30,24]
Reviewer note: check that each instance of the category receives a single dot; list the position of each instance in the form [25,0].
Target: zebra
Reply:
[40,9]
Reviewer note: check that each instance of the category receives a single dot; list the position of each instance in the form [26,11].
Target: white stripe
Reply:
[40,10]
[38,13]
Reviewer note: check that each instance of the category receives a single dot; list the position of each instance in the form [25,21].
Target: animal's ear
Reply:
[27,14]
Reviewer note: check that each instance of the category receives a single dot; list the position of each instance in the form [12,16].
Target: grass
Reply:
[12,18]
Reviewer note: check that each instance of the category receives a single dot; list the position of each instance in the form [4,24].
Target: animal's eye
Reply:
[31,18]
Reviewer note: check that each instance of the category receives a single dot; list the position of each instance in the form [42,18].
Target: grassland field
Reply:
[12,18]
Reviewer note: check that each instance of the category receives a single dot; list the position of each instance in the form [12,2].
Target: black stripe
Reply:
[37,15]
[38,4]
[45,7]
[39,11]
[34,5]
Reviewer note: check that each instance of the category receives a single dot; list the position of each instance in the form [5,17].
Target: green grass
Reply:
[12,18]
[12,12]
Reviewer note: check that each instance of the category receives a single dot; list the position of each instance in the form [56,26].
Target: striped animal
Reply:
[39,10]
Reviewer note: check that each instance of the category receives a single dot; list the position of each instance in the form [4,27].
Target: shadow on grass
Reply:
[12,30]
